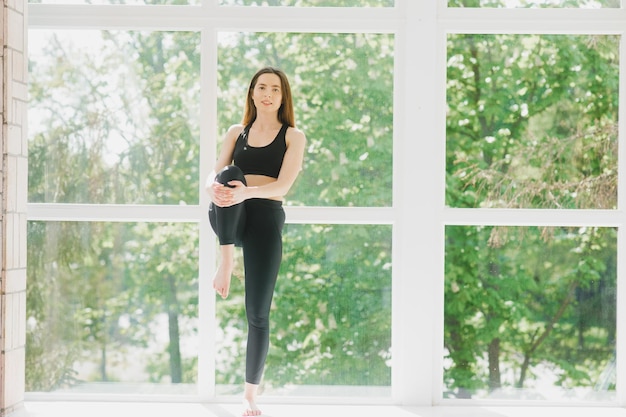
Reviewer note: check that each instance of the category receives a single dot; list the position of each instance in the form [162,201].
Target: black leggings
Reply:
[256,225]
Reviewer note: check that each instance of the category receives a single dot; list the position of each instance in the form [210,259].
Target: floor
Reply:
[127,409]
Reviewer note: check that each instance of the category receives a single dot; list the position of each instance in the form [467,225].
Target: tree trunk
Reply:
[495,381]
[176,372]
[103,364]
[538,341]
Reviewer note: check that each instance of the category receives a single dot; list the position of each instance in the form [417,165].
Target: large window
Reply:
[455,236]
[118,302]
[532,136]
[532,123]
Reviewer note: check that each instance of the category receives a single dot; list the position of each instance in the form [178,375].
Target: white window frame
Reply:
[418,214]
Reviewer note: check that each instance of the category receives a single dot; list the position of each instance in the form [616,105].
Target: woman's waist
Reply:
[257,180]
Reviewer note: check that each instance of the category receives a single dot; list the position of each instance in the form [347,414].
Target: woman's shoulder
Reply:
[235,129]
[233,132]
[294,134]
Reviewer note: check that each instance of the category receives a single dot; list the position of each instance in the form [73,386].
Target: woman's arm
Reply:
[225,158]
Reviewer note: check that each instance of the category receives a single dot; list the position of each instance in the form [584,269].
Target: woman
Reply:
[259,162]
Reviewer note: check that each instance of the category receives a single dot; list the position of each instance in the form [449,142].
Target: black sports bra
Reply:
[264,160]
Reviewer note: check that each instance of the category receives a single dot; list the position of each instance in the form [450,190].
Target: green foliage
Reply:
[546,294]
[112,129]
[335,298]
[101,303]
[532,121]
[331,315]
[117,122]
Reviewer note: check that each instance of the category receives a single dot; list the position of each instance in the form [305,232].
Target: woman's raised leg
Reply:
[228,224]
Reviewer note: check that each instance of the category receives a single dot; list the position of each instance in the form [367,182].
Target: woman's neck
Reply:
[267,121]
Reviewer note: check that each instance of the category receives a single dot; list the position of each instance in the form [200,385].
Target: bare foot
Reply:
[250,409]
[249,400]
[221,280]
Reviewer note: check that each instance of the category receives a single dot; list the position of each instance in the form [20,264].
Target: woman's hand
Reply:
[228,195]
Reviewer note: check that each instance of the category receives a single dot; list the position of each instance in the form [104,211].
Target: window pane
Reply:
[112,307]
[342,86]
[113,117]
[310,3]
[532,121]
[586,4]
[331,321]
[530,313]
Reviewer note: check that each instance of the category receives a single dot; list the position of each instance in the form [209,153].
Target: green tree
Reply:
[519,302]
[113,130]
[532,123]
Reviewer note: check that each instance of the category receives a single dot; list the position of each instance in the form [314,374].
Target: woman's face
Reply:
[267,94]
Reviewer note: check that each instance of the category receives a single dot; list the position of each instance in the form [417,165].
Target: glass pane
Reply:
[530,313]
[112,307]
[532,121]
[585,4]
[342,88]
[331,319]
[113,117]
[310,3]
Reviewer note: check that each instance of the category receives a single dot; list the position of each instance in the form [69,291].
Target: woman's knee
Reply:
[258,311]
[230,173]
[258,321]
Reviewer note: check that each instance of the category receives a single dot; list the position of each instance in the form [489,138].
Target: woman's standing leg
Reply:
[228,224]
[262,252]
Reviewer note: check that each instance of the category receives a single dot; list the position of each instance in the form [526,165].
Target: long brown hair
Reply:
[285,112]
